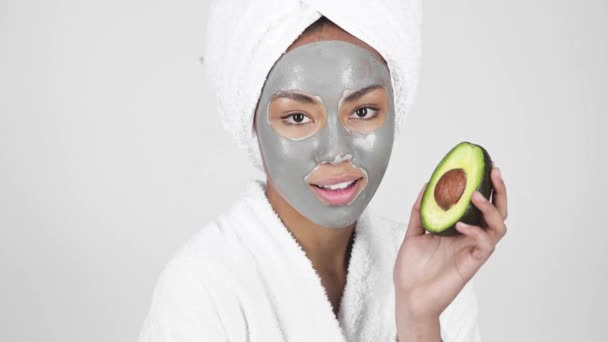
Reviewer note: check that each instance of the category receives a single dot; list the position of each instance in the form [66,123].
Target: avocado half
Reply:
[447,198]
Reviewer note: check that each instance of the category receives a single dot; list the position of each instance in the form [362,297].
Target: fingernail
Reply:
[479,196]
[494,164]
[461,224]
[499,174]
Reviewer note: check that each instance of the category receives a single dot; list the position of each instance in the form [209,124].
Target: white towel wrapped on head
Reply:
[244,38]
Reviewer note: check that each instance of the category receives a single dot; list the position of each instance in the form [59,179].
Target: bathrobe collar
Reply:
[367,305]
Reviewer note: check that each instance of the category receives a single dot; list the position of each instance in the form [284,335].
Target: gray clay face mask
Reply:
[323,103]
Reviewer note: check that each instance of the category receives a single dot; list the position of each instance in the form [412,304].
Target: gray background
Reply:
[111,158]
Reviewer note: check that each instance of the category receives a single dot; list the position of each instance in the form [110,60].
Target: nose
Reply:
[335,145]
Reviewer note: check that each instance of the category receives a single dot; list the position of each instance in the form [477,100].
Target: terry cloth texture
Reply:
[244,277]
[244,38]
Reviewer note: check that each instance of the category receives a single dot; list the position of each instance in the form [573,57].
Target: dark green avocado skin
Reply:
[472,215]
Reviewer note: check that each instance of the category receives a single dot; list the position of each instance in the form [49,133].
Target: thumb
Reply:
[414,227]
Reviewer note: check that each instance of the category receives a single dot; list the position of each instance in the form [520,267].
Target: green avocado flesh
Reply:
[447,198]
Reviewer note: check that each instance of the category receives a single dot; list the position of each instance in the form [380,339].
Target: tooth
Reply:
[338,186]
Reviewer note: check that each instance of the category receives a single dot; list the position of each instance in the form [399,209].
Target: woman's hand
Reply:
[431,270]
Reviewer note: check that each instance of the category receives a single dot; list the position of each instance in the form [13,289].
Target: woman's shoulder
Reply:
[212,247]
[188,291]
[197,271]
[202,254]
[221,242]
[218,240]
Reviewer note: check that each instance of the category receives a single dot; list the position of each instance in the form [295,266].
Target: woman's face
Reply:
[325,125]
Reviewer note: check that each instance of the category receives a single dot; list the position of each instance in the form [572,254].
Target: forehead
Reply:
[325,67]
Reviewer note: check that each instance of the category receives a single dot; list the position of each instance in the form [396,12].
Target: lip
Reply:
[339,197]
[336,180]
[324,175]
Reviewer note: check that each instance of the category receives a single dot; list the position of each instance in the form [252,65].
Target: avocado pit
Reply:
[450,188]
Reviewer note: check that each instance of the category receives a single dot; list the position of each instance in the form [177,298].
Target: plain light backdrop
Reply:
[111,157]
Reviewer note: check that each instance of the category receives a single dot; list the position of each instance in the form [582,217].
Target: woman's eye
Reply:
[364,113]
[296,119]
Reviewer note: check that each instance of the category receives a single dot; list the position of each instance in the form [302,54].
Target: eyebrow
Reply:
[310,100]
[295,96]
[361,92]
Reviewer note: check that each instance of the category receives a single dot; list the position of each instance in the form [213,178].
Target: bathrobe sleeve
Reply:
[459,321]
[181,309]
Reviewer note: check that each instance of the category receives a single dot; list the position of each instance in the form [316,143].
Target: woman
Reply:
[300,257]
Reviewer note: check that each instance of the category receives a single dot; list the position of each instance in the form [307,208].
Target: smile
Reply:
[339,194]
[339,186]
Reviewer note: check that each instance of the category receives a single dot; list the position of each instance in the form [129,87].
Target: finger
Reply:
[415,227]
[475,247]
[477,238]
[499,195]
[491,215]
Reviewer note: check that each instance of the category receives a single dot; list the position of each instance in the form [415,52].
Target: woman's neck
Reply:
[327,248]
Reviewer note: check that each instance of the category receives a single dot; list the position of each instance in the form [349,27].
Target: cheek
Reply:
[373,150]
[366,143]
[285,150]
[287,156]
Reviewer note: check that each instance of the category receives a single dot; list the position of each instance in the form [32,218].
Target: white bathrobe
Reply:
[244,277]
